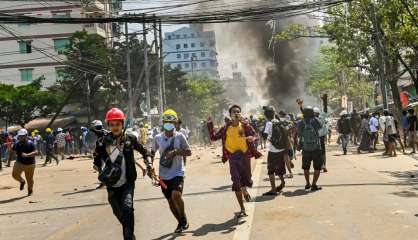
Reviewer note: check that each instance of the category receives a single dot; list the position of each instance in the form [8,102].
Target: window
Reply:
[25,46]
[185,35]
[212,43]
[203,64]
[193,45]
[202,44]
[213,63]
[60,73]
[177,46]
[185,45]
[186,65]
[212,54]
[169,37]
[66,14]
[194,64]
[179,65]
[192,35]
[186,56]
[178,55]
[203,54]
[61,45]
[26,74]
[177,36]
[193,54]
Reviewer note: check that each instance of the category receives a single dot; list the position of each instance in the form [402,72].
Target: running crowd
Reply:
[282,134]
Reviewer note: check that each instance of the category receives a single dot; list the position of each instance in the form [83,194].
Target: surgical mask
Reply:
[168,126]
[283,119]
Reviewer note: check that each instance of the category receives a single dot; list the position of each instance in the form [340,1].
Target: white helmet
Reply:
[97,123]
[316,110]
[59,129]
[22,132]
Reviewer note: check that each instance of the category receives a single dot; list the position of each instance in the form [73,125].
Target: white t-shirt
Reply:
[269,131]
[390,125]
[373,123]
[114,153]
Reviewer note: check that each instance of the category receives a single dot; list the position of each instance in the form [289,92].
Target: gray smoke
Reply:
[276,72]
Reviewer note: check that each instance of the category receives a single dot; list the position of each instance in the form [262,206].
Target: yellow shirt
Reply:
[235,139]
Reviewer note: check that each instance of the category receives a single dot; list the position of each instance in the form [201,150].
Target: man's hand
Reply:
[170,154]
[24,155]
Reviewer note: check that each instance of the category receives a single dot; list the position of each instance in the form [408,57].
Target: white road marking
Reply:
[243,231]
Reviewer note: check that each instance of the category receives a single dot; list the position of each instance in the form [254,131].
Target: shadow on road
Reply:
[407,178]
[296,193]
[220,188]
[81,191]
[12,200]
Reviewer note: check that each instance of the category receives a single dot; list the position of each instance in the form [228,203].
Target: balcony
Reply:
[95,28]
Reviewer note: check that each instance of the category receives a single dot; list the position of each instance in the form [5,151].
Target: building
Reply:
[192,49]
[35,50]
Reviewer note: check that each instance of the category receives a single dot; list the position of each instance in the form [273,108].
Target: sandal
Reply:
[280,188]
[242,214]
[270,193]
[290,175]
[316,188]
[307,186]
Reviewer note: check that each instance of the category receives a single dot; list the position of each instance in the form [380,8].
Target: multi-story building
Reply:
[191,49]
[25,54]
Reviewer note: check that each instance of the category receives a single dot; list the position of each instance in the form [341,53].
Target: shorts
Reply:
[276,163]
[174,184]
[240,170]
[314,156]
[392,138]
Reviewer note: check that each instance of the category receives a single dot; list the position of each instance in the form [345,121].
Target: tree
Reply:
[21,104]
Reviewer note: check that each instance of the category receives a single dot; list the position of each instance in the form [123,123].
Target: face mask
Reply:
[168,126]
[283,119]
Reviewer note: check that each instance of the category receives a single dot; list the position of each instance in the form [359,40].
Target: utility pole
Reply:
[128,69]
[157,52]
[88,98]
[148,97]
[162,65]
[379,51]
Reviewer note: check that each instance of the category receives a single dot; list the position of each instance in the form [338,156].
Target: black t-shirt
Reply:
[24,147]
[412,120]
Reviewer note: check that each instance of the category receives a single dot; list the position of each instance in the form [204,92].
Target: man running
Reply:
[25,161]
[119,172]
[49,141]
[278,144]
[173,147]
[238,147]
[309,143]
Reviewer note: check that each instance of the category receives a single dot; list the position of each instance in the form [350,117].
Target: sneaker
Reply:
[315,188]
[22,185]
[179,228]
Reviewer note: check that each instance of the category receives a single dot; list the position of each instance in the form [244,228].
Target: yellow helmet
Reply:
[33,133]
[146,125]
[48,130]
[170,115]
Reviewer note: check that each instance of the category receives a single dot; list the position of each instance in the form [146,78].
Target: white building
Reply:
[23,57]
[192,49]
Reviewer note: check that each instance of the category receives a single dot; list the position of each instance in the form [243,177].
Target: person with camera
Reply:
[118,173]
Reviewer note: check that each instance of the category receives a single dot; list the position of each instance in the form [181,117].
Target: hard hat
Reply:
[146,125]
[170,115]
[59,129]
[115,114]
[299,116]
[36,131]
[22,132]
[316,110]
[97,123]
[48,130]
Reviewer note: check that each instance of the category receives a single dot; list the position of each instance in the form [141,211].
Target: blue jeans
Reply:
[345,138]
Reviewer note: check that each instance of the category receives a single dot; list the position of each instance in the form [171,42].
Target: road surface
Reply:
[364,196]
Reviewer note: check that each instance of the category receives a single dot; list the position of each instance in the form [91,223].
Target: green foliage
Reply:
[328,75]
[21,104]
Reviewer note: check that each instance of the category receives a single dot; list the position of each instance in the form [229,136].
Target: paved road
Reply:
[364,197]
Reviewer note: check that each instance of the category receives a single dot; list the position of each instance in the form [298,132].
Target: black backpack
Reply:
[280,136]
[112,171]
[345,126]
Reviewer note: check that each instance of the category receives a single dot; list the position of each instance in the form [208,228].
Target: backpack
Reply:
[344,126]
[279,136]
[309,136]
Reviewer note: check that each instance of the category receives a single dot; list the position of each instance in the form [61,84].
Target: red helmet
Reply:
[115,114]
